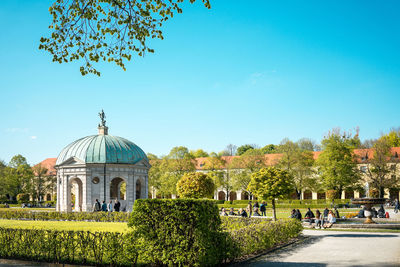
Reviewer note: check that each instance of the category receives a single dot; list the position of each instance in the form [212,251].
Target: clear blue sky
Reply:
[242,72]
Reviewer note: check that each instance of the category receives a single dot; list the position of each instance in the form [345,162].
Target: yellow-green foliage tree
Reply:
[195,185]
[271,183]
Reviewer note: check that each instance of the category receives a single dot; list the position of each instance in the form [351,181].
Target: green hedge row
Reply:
[64,216]
[178,232]
[281,206]
[79,247]
[263,235]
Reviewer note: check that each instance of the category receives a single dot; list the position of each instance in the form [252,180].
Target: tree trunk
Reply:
[273,210]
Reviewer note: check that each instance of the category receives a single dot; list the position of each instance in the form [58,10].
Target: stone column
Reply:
[130,191]
[356,194]
[146,179]
[343,196]
[314,195]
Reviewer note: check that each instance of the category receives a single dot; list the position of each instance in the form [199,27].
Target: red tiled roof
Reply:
[49,164]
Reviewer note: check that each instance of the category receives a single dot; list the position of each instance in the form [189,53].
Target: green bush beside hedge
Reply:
[64,216]
[183,232]
[258,235]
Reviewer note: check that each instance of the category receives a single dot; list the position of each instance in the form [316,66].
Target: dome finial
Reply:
[103,129]
[102,116]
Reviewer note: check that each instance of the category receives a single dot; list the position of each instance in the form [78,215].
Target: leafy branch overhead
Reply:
[108,30]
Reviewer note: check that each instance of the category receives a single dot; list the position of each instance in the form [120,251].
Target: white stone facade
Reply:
[89,182]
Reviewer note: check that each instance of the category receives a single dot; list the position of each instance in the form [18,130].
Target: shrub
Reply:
[227,202]
[178,232]
[259,235]
[78,247]
[63,216]
[195,185]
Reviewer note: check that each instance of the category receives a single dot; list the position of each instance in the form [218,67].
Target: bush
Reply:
[78,247]
[178,232]
[195,185]
[64,216]
[240,202]
[258,235]
[227,202]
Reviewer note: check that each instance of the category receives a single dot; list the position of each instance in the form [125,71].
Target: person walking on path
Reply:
[110,206]
[117,205]
[396,206]
[263,208]
[104,206]
[97,206]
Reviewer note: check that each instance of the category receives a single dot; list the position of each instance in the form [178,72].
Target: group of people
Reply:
[251,210]
[97,206]
[380,213]
[321,220]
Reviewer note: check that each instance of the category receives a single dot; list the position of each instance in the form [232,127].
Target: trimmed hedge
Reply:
[258,235]
[182,232]
[64,216]
[79,247]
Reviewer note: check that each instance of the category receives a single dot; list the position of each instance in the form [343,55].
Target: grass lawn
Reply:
[28,209]
[66,225]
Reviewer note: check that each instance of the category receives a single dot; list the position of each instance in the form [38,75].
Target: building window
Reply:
[96,180]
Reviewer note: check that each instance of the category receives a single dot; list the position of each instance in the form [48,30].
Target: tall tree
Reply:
[380,172]
[269,149]
[298,162]
[251,161]
[195,185]
[199,153]
[242,149]
[271,183]
[337,163]
[393,137]
[18,176]
[306,144]
[39,181]
[106,30]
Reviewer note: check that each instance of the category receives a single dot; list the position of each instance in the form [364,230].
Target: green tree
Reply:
[199,153]
[173,167]
[393,137]
[155,174]
[195,185]
[337,163]
[251,161]
[271,183]
[106,30]
[242,149]
[380,172]
[306,144]
[269,149]
[17,176]
[39,181]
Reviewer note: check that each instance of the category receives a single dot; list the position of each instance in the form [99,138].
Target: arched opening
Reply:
[138,193]
[244,196]
[118,189]
[307,194]
[232,195]
[48,197]
[75,195]
[348,194]
[221,195]
[321,195]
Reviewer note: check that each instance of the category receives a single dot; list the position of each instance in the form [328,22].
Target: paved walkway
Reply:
[337,248]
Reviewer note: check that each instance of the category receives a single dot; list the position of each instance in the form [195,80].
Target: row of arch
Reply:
[117,191]
[307,194]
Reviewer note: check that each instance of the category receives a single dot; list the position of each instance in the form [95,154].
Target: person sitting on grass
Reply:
[336,212]
[243,213]
[319,219]
[361,213]
[381,212]
[255,212]
[309,214]
[293,214]
[331,220]
[298,215]
[223,212]
[326,212]
[263,208]
[232,212]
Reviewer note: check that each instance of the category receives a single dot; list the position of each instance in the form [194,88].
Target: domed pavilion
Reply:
[102,167]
